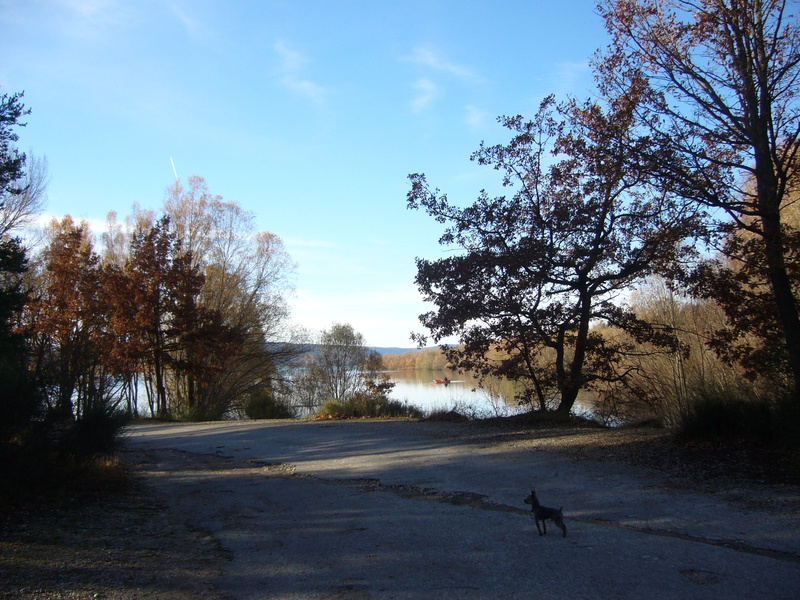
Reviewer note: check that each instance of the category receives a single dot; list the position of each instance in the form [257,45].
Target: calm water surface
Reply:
[418,388]
[461,394]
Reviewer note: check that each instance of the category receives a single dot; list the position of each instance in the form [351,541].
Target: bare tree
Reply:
[339,361]
[26,199]
[248,274]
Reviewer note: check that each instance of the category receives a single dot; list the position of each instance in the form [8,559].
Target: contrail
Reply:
[173,169]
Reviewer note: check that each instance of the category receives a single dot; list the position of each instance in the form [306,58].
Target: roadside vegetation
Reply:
[179,315]
[341,378]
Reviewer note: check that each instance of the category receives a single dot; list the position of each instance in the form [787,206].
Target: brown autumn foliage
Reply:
[179,337]
[713,118]
[66,319]
[737,281]
[193,332]
[538,266]
[93,326]
[247,276]
[665,383]
[716,86]
[418,360]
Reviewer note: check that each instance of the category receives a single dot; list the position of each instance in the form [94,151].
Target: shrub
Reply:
[53,456]
[786,422]
[447,416]
[360,406]
[726,416]
[192,414]
[265,406]
[95,432]
[20,405]
[334,409]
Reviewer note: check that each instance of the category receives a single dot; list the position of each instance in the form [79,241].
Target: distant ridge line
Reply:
[394,350]
[293,346]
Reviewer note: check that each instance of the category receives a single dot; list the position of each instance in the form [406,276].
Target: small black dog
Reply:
[542,513]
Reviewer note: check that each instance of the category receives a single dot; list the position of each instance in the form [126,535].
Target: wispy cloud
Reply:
[90,19]
[427,92]
[291,68]
[435,65]
[425,56]
[90,22]
[193,26]
[476,118]
[569,74]
[299,242]
[89,9]
[37,228]
[310,251]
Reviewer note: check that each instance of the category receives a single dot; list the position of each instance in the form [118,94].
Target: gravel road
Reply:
[405,509]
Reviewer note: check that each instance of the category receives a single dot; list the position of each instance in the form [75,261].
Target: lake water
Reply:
[418,389]
[461,394]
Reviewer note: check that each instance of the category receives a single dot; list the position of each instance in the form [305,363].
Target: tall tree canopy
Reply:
[12,161]
[248,274]
[17,403]
[716,84]
[67,317]
[539,266]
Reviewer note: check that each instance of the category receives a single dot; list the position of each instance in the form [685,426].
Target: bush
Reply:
[724,416]
[95,432]
[19,403]
[51,457]
[41,472]
[361,406]
[447,416]
[786,421]
[195,414]
[266,406]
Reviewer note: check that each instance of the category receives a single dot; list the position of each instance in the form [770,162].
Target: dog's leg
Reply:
[535,520]
[563,528]
[558,519]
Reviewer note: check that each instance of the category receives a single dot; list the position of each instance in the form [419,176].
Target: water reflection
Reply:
[461,393]
[419,388]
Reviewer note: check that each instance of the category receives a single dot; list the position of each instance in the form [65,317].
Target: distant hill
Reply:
[381,350]
[312,348]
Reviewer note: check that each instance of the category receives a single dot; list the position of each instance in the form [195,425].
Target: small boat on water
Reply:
[444,381]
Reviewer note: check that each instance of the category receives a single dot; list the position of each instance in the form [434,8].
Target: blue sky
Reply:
[310,114]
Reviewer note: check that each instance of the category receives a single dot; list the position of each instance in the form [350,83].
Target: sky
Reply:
[310,114]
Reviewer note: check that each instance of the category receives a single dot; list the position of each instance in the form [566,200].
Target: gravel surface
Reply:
[413,510]
[125,547]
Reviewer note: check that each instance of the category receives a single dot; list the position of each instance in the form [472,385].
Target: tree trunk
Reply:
[568,397]
[784,296]
[769,208]
[572,383]
[161,390]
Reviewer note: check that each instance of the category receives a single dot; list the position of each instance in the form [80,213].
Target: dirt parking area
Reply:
[404,509]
